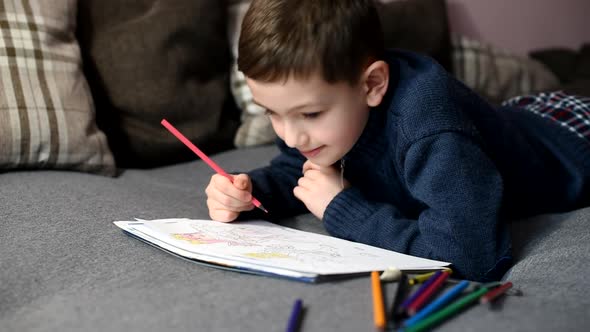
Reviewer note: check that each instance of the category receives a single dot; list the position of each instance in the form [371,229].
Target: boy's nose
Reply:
[294,137]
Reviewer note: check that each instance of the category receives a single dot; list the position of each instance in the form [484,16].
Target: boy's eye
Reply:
[268,112]
[311,115]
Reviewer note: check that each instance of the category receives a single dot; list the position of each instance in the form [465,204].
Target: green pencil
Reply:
[447,311]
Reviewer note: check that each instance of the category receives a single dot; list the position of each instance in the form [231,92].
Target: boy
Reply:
[386,148]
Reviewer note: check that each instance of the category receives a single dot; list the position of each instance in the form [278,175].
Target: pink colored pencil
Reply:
[205,158]
[422,299]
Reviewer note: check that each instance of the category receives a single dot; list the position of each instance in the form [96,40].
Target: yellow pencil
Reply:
[378,305]
[420,278]
[423,277]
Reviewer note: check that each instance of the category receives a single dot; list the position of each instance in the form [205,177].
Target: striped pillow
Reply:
[497,74]
[255,127]
[46,110]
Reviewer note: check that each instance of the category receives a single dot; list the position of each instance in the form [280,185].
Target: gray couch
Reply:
[64,266]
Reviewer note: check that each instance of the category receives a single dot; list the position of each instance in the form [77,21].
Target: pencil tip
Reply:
[262,208]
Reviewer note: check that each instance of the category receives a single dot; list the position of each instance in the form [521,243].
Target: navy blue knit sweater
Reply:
[438,172]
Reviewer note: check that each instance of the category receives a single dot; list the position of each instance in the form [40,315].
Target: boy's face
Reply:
[321,120]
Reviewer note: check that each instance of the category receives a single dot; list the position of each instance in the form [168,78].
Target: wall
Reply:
[523,25]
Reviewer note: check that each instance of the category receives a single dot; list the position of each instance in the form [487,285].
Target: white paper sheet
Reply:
[267,247]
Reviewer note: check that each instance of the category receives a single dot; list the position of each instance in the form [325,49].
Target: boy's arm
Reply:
[462,190]
[273,185]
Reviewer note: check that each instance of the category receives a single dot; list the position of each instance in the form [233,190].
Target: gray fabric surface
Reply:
[65,267]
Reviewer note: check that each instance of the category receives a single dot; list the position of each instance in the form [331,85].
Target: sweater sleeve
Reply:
[273,185]
[462,191]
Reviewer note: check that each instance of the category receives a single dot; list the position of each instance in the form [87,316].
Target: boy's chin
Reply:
[324,162]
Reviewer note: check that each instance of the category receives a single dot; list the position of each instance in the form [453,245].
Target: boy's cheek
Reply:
[277,129]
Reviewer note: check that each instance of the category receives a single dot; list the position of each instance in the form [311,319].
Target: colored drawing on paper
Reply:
[196,238]
[264,246]
[263,243]
[239,236]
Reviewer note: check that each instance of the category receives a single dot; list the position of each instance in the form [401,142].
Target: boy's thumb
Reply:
[241,181]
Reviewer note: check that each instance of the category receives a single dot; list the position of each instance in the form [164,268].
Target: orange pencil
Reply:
[378,305]
[204,157]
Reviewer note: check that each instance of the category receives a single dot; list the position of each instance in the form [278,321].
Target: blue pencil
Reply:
[438,303]
[294,320]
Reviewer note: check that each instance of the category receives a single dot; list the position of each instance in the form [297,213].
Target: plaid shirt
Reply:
[572,112]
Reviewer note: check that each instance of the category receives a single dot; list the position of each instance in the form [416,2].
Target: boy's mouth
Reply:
[312,153]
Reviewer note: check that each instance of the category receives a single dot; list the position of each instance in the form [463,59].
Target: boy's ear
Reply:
[376,81]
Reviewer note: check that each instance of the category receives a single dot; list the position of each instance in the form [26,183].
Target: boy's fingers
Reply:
[223,215]
[312,174]
[304,182]
[241,181]
[220,180]
[214,204]
[232,202]
[300,193]
[309,165]
[227,188]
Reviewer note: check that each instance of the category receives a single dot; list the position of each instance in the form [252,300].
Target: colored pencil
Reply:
[378,305]
[420,278]
[397,312]
[495,293]
[438,303]
[447,311]
[423,298]
[295,318]
[406,304]
[205,158]
[423,277]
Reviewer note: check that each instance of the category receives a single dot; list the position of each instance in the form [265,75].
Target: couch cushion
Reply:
[561,61]
[418,25]
[552,253]
[64,266]
[571,67]
[46,110]
[149,60]
[497,74]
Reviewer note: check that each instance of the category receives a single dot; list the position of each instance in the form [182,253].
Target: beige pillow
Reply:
[46,110]
[497,74]
[255,127]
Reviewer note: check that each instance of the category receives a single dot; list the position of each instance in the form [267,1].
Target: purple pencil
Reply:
[420,290]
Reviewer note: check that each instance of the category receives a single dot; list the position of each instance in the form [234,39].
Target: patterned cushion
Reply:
[46,111]
[255,127]
[497,74]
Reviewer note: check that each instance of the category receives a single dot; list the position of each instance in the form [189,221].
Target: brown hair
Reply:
[335,38]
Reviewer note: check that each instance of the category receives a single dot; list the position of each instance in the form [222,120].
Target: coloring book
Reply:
[262,247]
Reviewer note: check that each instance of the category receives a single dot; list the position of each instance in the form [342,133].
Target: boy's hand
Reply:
[318,186]
[226,200]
